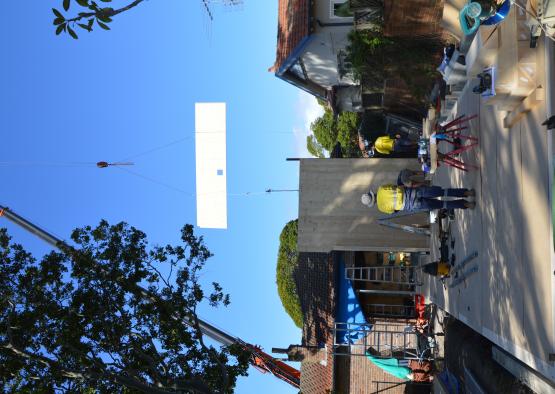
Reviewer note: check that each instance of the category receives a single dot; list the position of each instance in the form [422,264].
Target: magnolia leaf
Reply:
[60,28]
[83,3]
[72,32]
[103,16]
[66,4]
[57,13]
[103,25]
[58,21]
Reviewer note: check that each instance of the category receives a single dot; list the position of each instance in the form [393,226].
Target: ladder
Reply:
[414,229]
[390,310]
[394,274]
[381,340]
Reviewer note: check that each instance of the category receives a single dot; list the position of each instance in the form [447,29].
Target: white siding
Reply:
[331,216]
[320,57]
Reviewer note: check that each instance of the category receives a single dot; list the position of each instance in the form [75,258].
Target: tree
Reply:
[91,15]
[110,315]
[328,130]
[286,265]
[347,133]
[314,148]
[324,129]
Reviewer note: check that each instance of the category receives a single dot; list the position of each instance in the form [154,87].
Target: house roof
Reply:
[314,277]
[293,27]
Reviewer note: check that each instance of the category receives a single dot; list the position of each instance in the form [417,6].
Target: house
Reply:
[311,50]
[337,233]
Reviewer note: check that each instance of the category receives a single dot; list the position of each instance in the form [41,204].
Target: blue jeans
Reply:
[426,198]
[404,145]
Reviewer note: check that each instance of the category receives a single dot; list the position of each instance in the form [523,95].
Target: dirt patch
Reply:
[465,347]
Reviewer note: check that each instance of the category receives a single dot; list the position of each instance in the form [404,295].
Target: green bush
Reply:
[376,58]
[286,263]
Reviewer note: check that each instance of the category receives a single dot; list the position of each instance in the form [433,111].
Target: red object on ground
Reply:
[420,308]
[420,305]
[421,370]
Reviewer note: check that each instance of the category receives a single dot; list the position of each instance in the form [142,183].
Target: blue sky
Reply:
[111,95]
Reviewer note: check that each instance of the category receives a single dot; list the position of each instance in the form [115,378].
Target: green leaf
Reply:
[57,13]
[83,3]
[72,33]
[66,4]
[103,16]
[103,25]
[84,27]
[60,28]
[106,1]
[58,21]
[91,21]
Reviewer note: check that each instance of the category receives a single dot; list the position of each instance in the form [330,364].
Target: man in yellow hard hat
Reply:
[387,145]
[393,198]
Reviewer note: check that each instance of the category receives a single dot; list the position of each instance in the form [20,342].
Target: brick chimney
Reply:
[306,354]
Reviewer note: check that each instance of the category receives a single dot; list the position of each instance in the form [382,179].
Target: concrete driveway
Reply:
[510,299]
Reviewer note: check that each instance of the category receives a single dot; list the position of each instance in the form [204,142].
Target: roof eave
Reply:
[294,56]
[301,86]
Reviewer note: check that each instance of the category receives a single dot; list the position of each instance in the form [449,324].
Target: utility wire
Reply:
[188,194]
[157,148]
[47,163]
[152,180]
[146,152]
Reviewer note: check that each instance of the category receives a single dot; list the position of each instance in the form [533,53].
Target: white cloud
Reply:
[307,110]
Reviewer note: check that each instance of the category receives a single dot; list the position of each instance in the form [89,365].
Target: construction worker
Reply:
[387,145]
[412,178]
[393,198]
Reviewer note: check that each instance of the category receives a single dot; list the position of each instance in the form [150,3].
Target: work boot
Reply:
[470,193]
[470,204]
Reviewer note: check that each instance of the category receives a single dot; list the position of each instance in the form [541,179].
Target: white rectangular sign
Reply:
[211,171]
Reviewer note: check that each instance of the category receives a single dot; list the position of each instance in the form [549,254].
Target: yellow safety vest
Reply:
[391,198]
[384,145]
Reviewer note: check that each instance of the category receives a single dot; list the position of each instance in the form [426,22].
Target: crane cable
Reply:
[188,194]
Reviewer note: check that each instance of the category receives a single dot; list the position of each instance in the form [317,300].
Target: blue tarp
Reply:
[348,309]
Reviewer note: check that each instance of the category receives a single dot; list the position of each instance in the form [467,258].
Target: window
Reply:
[344,66]
[341,9]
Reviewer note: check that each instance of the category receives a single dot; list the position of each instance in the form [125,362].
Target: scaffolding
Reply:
[393,274]
[383,340]
[390,310]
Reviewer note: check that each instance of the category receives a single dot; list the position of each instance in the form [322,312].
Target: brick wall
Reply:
[314,277]
[413,18]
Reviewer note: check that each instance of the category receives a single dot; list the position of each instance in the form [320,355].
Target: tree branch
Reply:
[102,13]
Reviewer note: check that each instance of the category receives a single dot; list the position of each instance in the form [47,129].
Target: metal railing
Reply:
[380,340]
[394,274]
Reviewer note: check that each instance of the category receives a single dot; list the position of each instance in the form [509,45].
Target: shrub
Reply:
[286,264]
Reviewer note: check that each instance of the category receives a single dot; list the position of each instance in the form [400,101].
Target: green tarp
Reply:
[391,366]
